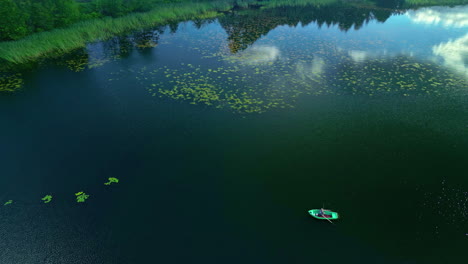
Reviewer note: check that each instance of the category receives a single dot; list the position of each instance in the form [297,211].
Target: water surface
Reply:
[224,132]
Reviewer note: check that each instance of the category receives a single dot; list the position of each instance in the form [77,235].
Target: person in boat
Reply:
[322,213]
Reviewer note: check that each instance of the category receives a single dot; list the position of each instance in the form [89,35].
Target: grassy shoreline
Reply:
[60,41]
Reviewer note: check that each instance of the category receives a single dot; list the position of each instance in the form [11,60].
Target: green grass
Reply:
[60,41]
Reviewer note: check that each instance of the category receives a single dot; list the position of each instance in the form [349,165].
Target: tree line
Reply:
[19,18]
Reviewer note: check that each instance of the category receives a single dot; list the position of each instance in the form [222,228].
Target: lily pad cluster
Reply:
[146,44]
[242,89]
[10,83]
[80,61]
[399,75]
[47,198]
[81,197]
[111,180]
[258,87]
[273,74]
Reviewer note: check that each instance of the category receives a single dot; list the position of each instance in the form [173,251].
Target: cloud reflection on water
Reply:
[454,53]
[446,16]
[312,69]
[358,55]
[261,54]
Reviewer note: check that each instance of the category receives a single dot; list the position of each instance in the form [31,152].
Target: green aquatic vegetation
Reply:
[47,198]
[147,44]
[244,103]
[399,75]
[257,86]
[8,202]
[77,64]
[246,89]
[11,83]
[111,180]
[81,197]
[80,63]
[94,63]
[273,74]
[80,60]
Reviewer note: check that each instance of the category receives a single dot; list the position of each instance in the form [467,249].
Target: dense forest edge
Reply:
[34,29]
[24,17]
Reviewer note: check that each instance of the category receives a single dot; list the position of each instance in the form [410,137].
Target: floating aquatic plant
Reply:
[8,202]
[81,197]
[77,64]
[147,44]
[111,180]
[243,88]
[10,83]
[230,82]
[47,198]
[399,75]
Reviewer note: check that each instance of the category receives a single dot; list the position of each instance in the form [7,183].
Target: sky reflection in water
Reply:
[405,55]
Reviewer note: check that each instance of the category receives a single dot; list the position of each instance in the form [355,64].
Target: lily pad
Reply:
[47,198]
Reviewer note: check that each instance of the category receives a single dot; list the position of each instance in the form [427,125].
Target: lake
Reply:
[224,132]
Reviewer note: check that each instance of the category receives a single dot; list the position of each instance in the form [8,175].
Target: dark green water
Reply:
[227,131]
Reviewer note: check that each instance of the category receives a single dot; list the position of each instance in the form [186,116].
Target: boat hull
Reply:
[330,215]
